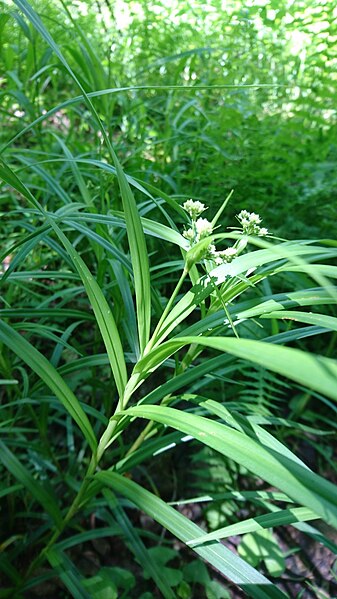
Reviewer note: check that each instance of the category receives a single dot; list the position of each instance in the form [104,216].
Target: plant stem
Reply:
[71,512]
[141,437]
[166,311]
[106,438]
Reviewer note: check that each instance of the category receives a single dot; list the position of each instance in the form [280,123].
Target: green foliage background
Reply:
[275,146]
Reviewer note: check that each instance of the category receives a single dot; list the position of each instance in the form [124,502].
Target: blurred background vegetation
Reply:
[274,145]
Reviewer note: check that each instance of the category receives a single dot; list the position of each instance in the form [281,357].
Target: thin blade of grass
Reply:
[41,494]
[242,264]
[68,573]
[312,371]
[8,175]
[137,546]
[279,518]
[139,259]
[39,364]
[322,320]
[138,251]
[102,311]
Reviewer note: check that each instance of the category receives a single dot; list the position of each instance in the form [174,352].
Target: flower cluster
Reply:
[194,208]
[222,256]
[225,256]
[201,228]
[250,223]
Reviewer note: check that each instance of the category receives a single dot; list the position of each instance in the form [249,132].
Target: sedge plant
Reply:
[107,365]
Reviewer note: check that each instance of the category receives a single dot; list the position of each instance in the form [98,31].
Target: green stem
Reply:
[71,512]
[107,438]
[141,438]
[166,311]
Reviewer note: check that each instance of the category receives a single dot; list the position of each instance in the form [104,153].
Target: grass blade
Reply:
[312,371]
[68,573]
[230,565]
[102,310]
[322,320]
[139,256]
[279,518]
[40,493]
[137,546]
[39,364]
[139,259]
[302,485]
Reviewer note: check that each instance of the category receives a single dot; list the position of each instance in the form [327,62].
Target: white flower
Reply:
[189,234]
[194,208]
[203,227]
[243,214]
[263,231]
[228,253]
[255,218]
[249,222]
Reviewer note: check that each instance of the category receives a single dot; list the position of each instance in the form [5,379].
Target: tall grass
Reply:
[119,341]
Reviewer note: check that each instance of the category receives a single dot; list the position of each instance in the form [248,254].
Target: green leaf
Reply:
[302,485]
[203,289]
[8,175]
[150,227]
[102,311]
[68,573]
[312,371]
[229,564]
[263,546]
[196,572]
[139,258]
[161,556]
[136,545]
[45,497]
[278,518]
[39,364]
[243,424]
[322,320]
[215,590]
[101,585]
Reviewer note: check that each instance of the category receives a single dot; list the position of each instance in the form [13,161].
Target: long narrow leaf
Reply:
[241,265]
[68,573]
[322,320]
[302,485]
[229,564]
[37,362]
[137,546]
[139,259]
[40,493]
[104,317]
[139,256]
[279,518]
[310,370]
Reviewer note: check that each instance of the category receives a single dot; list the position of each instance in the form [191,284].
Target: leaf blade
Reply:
[102,311]
[298,482]
[41,366]
[230,565]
